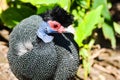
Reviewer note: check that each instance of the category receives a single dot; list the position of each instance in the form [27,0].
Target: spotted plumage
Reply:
[30,58]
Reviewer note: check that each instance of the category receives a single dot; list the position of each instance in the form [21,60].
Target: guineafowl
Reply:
[42,48]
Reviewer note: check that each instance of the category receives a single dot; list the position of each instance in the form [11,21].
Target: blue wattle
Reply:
[43,31]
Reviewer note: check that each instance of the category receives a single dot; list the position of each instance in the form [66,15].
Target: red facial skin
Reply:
[56,26]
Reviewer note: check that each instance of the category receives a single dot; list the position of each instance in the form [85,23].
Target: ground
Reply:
[5,73]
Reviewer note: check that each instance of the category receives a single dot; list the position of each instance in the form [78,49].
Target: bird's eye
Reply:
[55,26]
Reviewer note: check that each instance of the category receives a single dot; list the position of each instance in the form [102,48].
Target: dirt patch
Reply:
[5,72]
[105,65]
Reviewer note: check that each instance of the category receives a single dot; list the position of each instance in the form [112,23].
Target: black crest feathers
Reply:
[58,14]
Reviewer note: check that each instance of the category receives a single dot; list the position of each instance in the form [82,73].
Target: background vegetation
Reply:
[90,17]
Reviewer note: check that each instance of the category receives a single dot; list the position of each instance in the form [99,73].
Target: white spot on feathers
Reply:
[24,47]
[71,56]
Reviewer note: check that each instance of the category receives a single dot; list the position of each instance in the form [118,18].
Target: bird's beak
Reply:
[69,29]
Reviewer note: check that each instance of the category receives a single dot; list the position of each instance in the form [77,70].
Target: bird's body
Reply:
[30,58]
[26,48]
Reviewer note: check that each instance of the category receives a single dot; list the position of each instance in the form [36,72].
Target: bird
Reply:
[41,47]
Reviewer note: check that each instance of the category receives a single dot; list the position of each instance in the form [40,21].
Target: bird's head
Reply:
[56,27]
[56,20]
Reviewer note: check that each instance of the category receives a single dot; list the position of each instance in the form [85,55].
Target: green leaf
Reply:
[65,4]
[43,8]
[86,64]
[13,16]
[37,2]
[117,27]
[84,3]
[105,11]
[87,25]
[84,53]
[109,34]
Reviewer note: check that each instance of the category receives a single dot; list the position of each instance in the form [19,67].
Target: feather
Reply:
[43,31]
[38,52]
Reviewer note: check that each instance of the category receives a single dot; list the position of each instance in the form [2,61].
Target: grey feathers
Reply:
[32,59]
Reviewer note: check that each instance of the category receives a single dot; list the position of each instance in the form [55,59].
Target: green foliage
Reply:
[84,3]
[85,28]
[66,4]
[107,29]
[109,34]
[38,2]
[14,15]
[86,64]
[105,11]
[42,3]
[19,9]
[43,8]
[117,27]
